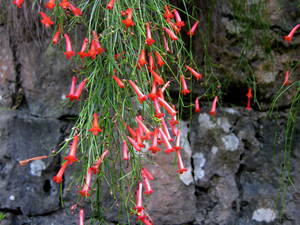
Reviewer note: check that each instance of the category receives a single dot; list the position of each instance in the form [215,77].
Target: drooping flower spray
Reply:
[124,63]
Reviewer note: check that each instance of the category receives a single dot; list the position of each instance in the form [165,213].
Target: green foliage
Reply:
[2,216]
[117,106]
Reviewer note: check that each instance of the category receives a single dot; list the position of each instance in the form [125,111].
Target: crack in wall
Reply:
[19,96]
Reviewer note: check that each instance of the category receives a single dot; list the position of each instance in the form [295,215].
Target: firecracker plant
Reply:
[131,53]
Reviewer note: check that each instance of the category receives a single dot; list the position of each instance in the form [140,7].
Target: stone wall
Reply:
[234,159]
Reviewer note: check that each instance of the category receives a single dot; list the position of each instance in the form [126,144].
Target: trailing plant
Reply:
[132,51]
[131,48]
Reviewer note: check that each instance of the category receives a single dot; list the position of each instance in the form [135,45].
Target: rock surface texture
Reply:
[234,159]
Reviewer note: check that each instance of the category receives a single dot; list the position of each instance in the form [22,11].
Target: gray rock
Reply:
[22,187]
[242,188]
[46,79]
[173,202]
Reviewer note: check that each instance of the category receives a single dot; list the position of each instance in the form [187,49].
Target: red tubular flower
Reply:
[165,86]
[50,4]
[177,145]
[157,78]
[159,138]
[163,103]
[97,44]
[142,58]
[18,3]
[286,79]
[80,89]
[71,94]
[86,187]
[153,95]
[141,215]
[81,217]
[166,130]
[154,148]
[64,4]
[151,62]
[168,14]
[179,22]
[139,137]
[160,93]
[147,222]
[191,32]
[118,81]
[58,178]
[131,131]
[249,96]
[181,168]
[134,144]
[75,11]
[185,90]
[197,107]
[171,34]
[158,113]
[117,56]
[174,26]
[93,50]
[46,20]
[166,46]
[175,131]
[147,173]
[125,155]
[149,40]
[139,197]
[174,120]
[143,127]
[138,92]
[148,189]
[214,106]
[110,5]
[165,140]
[123,13]
[82,52]
[68,53]
[71,158]
[95,129]
[290,36]
[97,164]
[56,37]
[24,162]
[159,59]
[128,21]
[194,72]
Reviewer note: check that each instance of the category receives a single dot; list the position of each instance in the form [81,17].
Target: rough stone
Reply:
[187,177]
[56,218]
[199,162]
[242,188]
[7,71]
[46,76]
[264,215]
[231,142]
[37,167]
[173,202]
[24,137]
